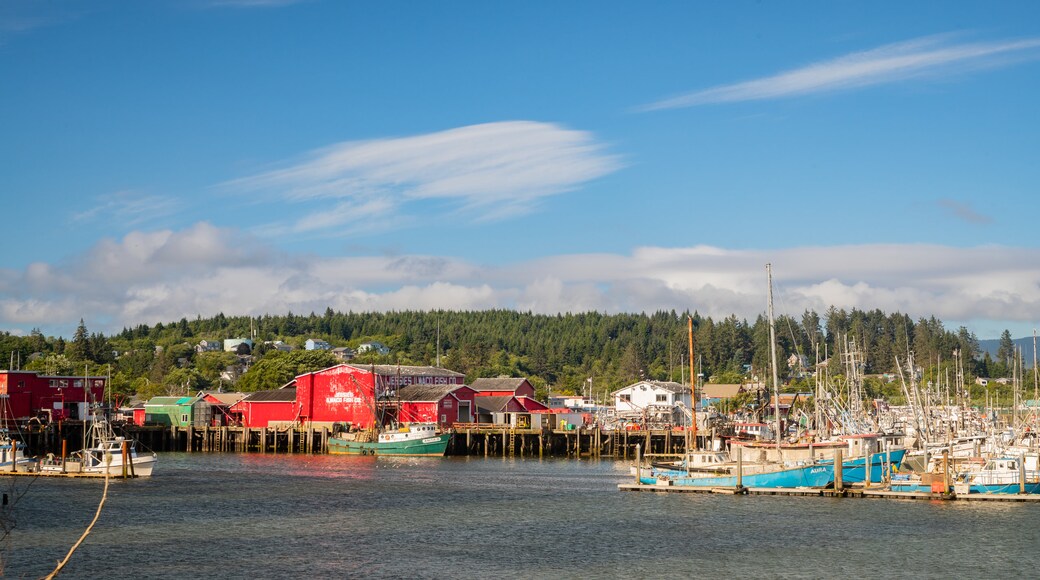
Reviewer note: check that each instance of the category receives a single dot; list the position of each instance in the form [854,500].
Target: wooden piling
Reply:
[639,466]
[839,468]
[740,466]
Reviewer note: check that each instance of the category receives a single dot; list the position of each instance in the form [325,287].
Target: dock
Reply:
[848,492]
[33,470]
[469,439]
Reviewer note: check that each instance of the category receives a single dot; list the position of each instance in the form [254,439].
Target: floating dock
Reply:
[856,492]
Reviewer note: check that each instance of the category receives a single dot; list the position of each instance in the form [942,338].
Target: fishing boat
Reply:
[12,455]
[1000,475]
[854,470]
[809,475]
[415,439]
[105,454]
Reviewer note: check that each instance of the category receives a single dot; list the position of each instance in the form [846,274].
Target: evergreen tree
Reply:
[79,348]
[1006,351]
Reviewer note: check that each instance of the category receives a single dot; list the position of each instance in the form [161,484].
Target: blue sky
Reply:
[170,159]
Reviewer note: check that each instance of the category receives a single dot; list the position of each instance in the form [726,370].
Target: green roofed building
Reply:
[184,411]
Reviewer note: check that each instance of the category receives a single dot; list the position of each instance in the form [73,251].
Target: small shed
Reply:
[183,411]
[221,404]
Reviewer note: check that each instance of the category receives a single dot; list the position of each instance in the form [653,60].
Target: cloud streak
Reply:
[130,208]
[964,212]
[491,171]
[149,277]
[932,55]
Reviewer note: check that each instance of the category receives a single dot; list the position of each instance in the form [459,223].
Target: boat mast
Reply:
[693,385]
[1036,386]
[772,358]
[85,406]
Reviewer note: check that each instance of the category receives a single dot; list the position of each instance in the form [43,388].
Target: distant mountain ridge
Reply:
[1025,344]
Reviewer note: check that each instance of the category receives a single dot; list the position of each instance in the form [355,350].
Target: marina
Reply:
[348,516]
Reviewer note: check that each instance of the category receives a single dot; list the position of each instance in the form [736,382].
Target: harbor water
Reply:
[301,516]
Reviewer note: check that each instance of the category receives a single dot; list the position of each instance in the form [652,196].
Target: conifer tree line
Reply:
[559,352]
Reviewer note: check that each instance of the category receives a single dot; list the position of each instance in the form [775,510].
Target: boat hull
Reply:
[855,471]
[140,466]
[434,446]
[805,476]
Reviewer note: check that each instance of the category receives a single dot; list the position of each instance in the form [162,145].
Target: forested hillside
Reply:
[561,352]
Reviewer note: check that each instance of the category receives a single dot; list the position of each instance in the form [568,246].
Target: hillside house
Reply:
[316,344]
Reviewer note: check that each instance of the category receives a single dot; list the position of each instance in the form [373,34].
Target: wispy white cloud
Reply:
[129,208]
[149,277]
[489,171]
[932,55]
[964,211]
[24,16]
[254,3]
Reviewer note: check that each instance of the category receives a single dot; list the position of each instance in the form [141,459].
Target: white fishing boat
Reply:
[105,453]
[12,453]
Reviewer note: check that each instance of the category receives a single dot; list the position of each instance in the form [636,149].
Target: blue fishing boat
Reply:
[810,475]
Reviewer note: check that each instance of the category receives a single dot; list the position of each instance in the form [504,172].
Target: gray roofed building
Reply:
[425,392]
[497,384]
[493,404]
[518,386]
[389,370]
[282,394]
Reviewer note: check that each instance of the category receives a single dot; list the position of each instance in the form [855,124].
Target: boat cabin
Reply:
[753,431]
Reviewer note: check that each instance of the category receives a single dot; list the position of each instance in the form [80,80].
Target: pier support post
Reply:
[639,466]
[839,468]
[740,467]
[868,466]
[946,471]
[1022,473]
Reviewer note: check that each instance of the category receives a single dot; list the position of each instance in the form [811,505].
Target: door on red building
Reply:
[464,412]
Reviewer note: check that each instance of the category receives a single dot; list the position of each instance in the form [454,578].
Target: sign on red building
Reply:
[359,395]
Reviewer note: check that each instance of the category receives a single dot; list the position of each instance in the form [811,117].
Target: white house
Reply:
[378,347]
[316,344]
[655,401]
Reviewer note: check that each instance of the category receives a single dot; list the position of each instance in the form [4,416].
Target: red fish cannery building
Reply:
[359,394]
[27,394]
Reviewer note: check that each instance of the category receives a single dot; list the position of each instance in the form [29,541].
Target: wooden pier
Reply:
[472,439]
[851,492]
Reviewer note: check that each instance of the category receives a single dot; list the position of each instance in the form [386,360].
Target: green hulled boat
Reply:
[415,439]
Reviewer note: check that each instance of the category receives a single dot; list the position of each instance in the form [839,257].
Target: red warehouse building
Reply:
[274,408]
[503,386]
[358,394]
[444,405]
[27,394]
